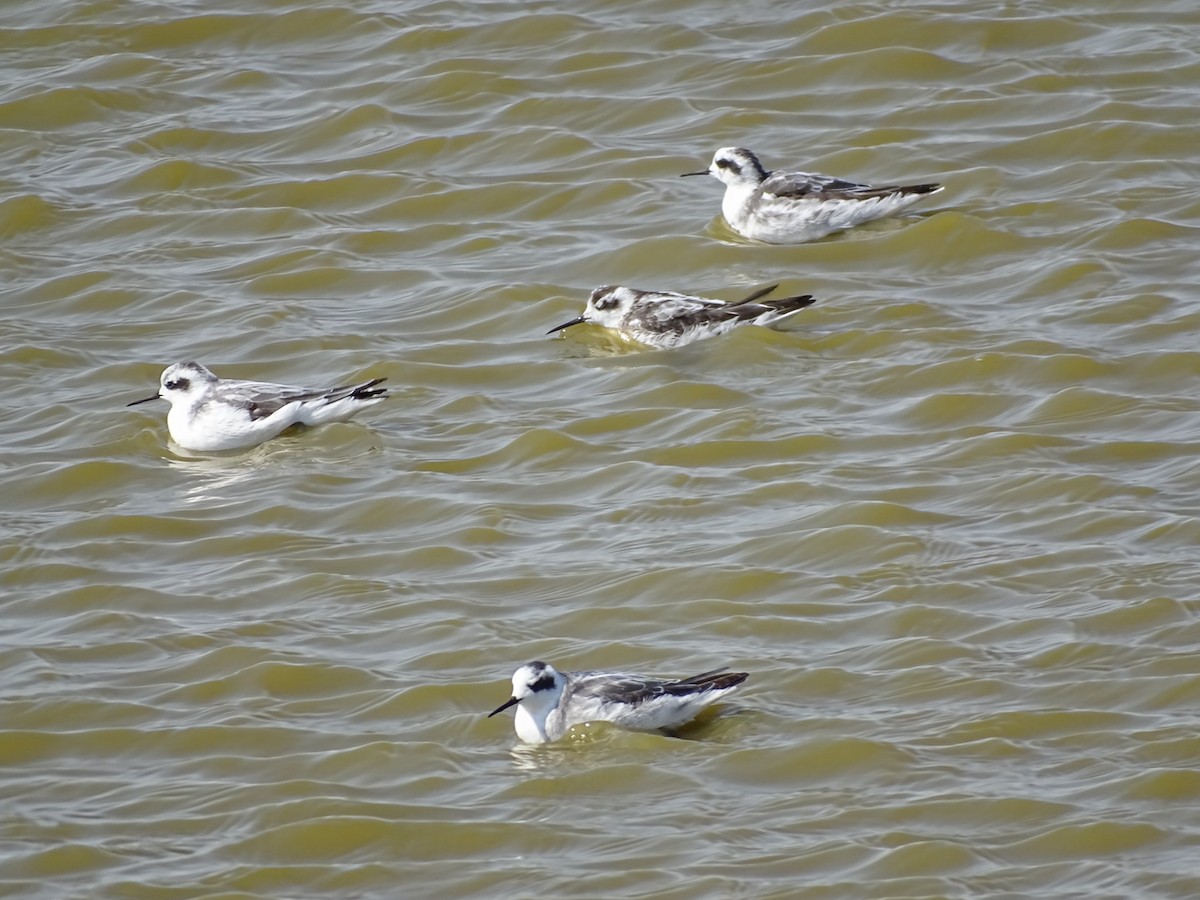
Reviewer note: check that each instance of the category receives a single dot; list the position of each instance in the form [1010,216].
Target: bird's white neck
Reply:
[532,719]
[181,411]
[737,195]
[531,724]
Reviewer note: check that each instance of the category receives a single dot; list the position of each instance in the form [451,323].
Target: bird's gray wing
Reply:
[262,399]
[815,186]
[760,293]
[637,689]
[746,308]
[715,679]
[606,687]
[259,398]
[702,677]
[677,315]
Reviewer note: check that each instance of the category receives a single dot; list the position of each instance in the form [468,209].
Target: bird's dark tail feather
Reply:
[717,679]
[368,390]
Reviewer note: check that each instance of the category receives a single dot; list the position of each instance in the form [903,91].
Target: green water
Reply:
[948,521]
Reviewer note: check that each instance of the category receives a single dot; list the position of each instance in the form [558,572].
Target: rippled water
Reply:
[948,520]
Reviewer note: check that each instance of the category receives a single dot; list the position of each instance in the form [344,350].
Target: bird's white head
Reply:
[536,689]
[735,165]
[181,383]
[610,304]
[184,382]
[607,306]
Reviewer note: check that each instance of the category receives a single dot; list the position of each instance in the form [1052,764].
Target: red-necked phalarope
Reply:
[211,413]
[549,702]
[794,207]
[664,319]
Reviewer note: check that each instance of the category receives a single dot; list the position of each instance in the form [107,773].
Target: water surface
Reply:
[948,520]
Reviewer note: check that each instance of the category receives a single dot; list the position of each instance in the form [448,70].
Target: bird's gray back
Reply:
[675,315]
[610,687]
[812,186]
[262,398]
[259,398]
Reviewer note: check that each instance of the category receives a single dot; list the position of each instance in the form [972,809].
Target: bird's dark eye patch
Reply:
[605,301]
[728,164]
[545,683]
[178,384]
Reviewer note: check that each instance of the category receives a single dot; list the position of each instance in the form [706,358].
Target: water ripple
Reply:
[946,519]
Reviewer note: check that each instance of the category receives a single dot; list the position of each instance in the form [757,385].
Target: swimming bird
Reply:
[794,207]
[211,413]
[665,319]
[550,702]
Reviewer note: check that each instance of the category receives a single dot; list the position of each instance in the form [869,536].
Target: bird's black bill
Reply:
[688,174]
[511,701]
[145,400]
[578,320]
